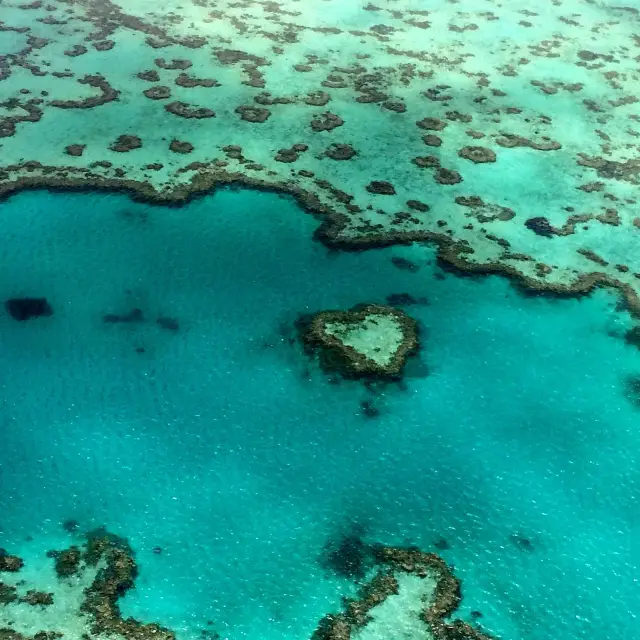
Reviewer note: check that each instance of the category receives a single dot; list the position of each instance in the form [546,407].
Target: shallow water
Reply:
[224,445]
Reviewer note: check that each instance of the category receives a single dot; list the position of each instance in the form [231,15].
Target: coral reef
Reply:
[326,121]
[159,92]
[366,341]
[181,146]
[106,560]
[109,565]
[253,114]
[339,151]
[386,100]
[7,593]
[381,187]
[477,155]
[75,150]
[126,143]
[67,562]
[394,562]
[184,110]
[110,584]
[37,598]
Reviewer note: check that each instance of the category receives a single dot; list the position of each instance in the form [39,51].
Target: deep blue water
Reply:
[224,445]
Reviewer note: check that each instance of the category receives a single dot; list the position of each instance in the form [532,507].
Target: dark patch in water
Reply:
[369,410]
[347,555]
[441,544]
[540,226]
[522,543]
[157,550]
[622,305]
[305,374]
[632,337]
[170,324]
[139,216]
[632,389]
[22,309]
[405,300]
[375,387]
[70,526]
[303,322]
[286,333]
[134,316]
[404,264]
[416,368]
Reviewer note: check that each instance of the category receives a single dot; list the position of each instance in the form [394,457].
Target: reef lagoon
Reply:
[319,320]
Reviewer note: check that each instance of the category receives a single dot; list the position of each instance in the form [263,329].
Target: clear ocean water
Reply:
[224,445]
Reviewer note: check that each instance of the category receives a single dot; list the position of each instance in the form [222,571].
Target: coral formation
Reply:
[339,151]
[477,155]
[185,80]
[126,143]
[108,562]
[67,562]
[447,176]
[181,146]
[253,114]
[151,75]
[159,92]
[386,100]
[75,150]
[106,569]
[366,341]
[393,563]
[37,598]
[7,593]
[110,584]
[184,110]
[10,563]
[381,187]
[326,121]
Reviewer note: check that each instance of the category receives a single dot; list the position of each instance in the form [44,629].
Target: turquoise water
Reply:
[224,445]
